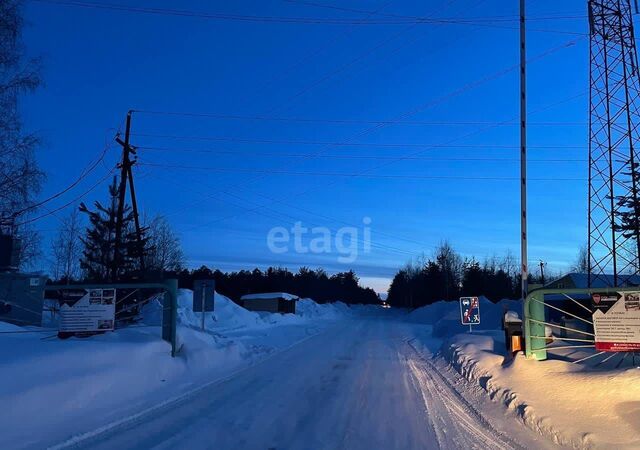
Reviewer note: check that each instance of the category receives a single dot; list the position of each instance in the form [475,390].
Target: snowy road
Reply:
[359,385]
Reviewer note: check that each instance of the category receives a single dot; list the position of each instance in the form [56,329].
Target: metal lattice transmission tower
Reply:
[613,142]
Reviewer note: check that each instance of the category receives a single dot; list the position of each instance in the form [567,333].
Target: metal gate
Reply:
[169,303]
[558,323]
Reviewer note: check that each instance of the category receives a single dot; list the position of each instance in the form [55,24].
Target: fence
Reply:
[169,304]
[559,321]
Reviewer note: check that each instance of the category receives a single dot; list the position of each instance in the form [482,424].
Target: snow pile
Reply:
[61,387]
[309,309]
[228,316]
[445,316]
[270,295]
[8,327]
[575,405]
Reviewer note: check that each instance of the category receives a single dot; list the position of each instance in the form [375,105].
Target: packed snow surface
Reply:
[56,388]
[329,376]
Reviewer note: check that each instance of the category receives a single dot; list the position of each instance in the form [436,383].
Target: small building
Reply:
[581,281]
[22,298]
[274,302]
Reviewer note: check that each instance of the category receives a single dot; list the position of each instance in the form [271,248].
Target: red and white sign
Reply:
[617,324]
[469,310]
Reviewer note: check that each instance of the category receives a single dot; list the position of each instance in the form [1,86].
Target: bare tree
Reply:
[581,264]
[165,252]
[509,264]
[20,177]
[66,249]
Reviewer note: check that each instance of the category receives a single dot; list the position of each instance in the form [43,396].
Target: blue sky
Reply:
[456,83]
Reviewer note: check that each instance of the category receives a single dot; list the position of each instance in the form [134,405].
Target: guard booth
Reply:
[274,302]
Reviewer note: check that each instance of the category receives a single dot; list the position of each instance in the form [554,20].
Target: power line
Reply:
[347,65]
[82,176]
[219,116]
[347,157]
[350,175]
[512,18]
[53,211]
[346,143]
[412,154]
[420,108]
[285,19]
[274,214]
[309,56]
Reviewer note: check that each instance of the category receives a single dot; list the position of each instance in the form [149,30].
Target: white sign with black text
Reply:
[91,310]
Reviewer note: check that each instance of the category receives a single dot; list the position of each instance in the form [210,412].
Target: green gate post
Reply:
[170,313]
[535,347]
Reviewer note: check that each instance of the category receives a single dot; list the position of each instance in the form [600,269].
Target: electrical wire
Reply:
[284,19]
[66,205]
[350,175]
[277,215]
[349,157]
[82,176]
[414,111]
[413,154]
[347,143]
[349,121]
[401,16]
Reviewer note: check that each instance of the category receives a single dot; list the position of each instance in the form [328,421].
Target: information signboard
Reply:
[84,311]
[616,321]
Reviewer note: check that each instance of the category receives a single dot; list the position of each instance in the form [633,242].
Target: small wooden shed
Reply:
[275,302]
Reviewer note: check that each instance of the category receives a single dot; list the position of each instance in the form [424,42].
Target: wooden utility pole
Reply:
[523,154]
[126,174]
[542,271]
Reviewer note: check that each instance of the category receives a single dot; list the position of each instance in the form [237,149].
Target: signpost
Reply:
[616,321]
[470,311]
[88,311]
[203,297]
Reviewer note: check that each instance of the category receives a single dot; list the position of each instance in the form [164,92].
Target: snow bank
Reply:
[227,315]
[445,316]
[57,388]
[574,405]
[270,295]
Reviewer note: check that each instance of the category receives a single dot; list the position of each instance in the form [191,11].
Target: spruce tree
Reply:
[629,207]
[99,256]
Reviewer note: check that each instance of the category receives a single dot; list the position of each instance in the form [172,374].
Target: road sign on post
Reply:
[203,297]
[470,311]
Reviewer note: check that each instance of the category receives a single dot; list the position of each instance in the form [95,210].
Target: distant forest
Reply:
[315,284]
[447,276]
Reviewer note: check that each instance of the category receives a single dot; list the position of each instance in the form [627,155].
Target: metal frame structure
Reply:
[536,346]
[614,136]
[169,304]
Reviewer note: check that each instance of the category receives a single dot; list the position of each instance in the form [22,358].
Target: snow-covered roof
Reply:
[581,280]
[270,295]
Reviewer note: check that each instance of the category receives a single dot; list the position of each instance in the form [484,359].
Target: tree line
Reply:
[305,283]
[447,276]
